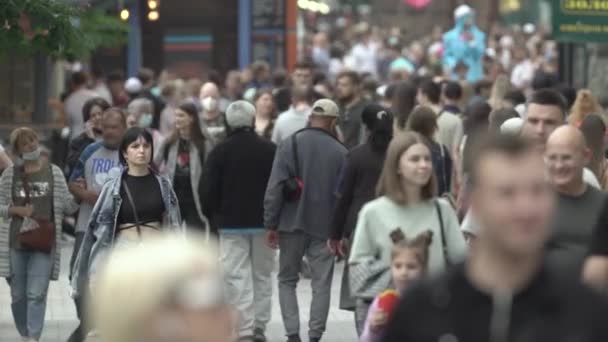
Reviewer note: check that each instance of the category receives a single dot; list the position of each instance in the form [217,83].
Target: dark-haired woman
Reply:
[91,114]
[265,113]
[181,158]
[138,204]
[359,179]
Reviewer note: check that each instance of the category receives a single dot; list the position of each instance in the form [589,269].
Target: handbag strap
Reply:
[25,180]
[130,198]
[444,245]
[294,148]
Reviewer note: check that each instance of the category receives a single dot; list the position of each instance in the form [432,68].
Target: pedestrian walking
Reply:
[296,117]
[578,204]
[407,201]
[97,163]
[265,114]
[504,291]
[131,207]
[423,121]
[297,210]
[91,114]
[409,259]
[181,158]
[211,117]
[236,175]
[34,199]
[348,93]
[358,186]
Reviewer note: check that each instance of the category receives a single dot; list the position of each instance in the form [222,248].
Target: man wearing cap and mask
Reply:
[464,43]
[212,119]
[298,206]
[232,193]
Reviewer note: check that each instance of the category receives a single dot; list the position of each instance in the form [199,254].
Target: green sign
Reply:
[580,21]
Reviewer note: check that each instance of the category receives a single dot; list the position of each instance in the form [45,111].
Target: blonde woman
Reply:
[501,87]
[407,201]
[34,191]
[584,105]
[165,290]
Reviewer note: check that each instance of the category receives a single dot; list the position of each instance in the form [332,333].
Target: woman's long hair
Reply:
[196,132]
[273,115]
[379,122]
[390,184]
[594,129]
[584,105]
[403,102]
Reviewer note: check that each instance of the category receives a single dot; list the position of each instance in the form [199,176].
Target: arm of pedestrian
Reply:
[456,244]
[273,198]
[70,206]
[6,183]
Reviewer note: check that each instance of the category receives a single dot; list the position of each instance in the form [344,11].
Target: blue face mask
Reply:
[31,156]
[145,120]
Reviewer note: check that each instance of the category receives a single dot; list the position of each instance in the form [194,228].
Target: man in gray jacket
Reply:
[300,225]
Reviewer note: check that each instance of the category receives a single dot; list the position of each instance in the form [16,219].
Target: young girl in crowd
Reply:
[408,263]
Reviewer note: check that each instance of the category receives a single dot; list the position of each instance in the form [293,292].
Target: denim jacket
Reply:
[101,229]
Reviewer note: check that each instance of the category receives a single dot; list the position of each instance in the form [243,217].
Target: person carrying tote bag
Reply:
[34,198]
[407,202]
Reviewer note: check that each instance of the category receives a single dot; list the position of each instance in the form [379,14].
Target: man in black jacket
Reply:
[233,187]
[503,292]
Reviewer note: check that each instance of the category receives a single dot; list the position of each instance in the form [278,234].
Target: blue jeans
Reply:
[31,274]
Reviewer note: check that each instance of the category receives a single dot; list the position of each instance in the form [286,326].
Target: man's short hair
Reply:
[505,144]
[549,97]
[431,89]
[353,76]
[79,78]
[304,65]
[145,75]
[452,90]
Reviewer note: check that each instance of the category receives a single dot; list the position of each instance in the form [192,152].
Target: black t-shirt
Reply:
[599,240]
[450,308]
[147,198]
[182,183]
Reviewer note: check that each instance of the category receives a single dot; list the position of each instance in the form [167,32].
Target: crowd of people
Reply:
[402,165]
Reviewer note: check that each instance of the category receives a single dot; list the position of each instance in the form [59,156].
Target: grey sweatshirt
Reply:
[321,158]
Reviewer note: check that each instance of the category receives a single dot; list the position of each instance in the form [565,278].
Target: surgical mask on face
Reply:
[31,156]
[145,120]
[209,104]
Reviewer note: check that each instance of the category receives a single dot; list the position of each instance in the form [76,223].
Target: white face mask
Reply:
[209,104]
[145,120]
[31,156]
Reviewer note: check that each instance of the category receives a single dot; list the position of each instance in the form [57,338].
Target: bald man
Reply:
[578,204]
[213,121]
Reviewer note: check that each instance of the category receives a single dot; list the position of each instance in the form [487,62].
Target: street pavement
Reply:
[61,315]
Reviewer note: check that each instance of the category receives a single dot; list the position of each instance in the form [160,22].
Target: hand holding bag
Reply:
[36,234]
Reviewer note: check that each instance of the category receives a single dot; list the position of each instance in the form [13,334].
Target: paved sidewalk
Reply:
[60,316]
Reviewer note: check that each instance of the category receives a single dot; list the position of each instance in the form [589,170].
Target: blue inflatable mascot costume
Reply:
[464,43]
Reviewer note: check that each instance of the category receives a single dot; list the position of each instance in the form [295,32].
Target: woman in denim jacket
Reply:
[138,204]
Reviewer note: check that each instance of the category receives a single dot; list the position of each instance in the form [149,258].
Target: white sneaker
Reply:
[92,333]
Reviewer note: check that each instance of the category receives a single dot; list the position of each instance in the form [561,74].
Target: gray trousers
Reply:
[294,246]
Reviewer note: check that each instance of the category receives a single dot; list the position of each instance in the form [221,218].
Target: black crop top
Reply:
[147,197]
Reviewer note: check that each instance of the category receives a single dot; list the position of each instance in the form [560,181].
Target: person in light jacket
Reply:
[29,271]
[181,158]
[137,204]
